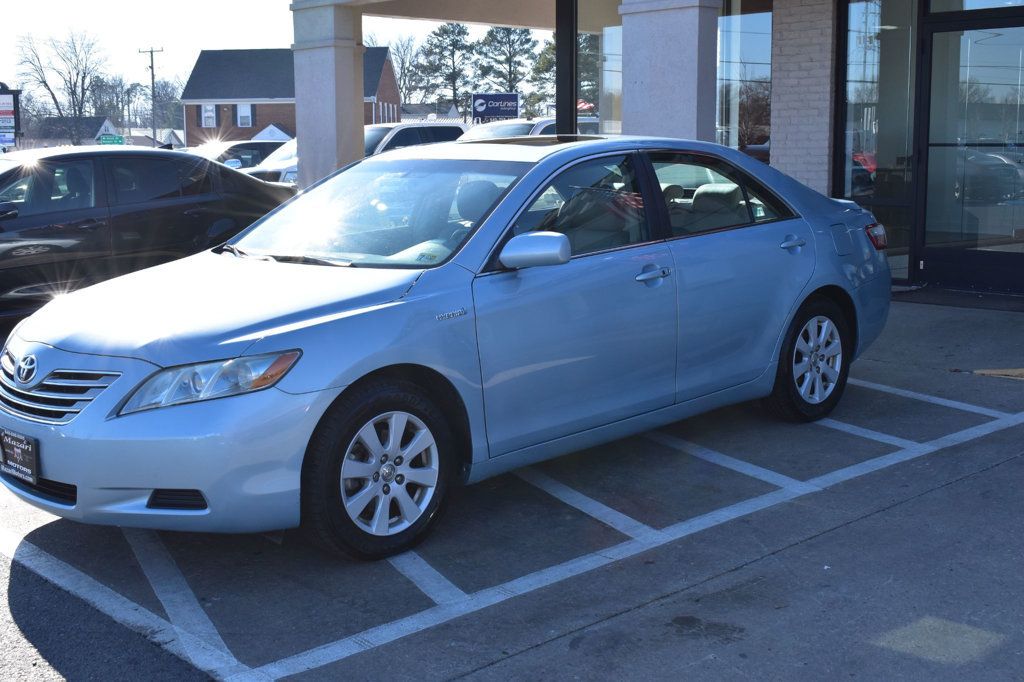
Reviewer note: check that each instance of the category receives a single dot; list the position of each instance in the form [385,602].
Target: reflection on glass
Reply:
[744,103]
[959,5]
[975,166]
[599,63]
[878,140]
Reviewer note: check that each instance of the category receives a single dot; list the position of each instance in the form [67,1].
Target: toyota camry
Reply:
[431,317]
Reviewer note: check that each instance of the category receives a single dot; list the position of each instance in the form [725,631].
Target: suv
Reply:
[240,154]
[75,216]
[383,137]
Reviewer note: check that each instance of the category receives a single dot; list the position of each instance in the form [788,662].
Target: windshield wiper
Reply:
[232,249]
[310,260]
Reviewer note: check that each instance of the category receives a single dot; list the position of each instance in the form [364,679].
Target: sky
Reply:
[123,27]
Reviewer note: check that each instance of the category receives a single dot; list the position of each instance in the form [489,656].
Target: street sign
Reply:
[111,139]
[489,106]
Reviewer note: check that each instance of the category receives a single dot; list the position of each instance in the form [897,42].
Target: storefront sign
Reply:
[490,106]
[7,120]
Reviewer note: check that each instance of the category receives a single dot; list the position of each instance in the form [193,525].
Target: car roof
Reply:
[415,124]
[96,149]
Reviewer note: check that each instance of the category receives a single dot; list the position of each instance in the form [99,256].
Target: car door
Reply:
[742,259]
[152,220]
[55,234]
[570,347]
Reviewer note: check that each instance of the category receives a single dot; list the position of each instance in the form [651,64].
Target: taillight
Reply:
[876,233]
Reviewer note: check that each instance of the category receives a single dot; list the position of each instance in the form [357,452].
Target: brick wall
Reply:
[282,114]
[387,93]
[803,82]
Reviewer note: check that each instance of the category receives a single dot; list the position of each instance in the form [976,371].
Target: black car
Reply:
[70,217]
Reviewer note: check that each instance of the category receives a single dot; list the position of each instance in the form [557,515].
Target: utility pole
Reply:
[152,90]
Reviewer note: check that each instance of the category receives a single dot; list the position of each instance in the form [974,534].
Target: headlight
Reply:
[208,380]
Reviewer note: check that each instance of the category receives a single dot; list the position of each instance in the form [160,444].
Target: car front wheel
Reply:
[813,364]
[377,471]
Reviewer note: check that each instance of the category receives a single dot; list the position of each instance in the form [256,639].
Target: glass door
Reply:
[973,232]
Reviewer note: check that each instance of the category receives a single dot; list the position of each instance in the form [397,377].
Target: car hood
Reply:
[207,307]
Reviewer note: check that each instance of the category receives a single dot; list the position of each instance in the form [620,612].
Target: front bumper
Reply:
[243,453]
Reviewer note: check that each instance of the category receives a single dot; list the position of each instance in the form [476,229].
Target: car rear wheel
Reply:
[813,363]
[377,471]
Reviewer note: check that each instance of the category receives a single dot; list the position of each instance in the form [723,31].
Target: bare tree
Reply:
[67,70]
[404,53]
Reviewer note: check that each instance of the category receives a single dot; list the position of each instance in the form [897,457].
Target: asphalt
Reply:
[886,543]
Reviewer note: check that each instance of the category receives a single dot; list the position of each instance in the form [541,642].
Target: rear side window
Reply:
[406,137]
[704,195]
[138,180]
[195,177]
[442,133]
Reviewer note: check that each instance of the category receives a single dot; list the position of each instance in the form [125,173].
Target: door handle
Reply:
[90,224]
[792,242]
[651,275]
[194,212]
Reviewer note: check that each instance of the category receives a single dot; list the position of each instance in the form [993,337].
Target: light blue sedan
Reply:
[432,317]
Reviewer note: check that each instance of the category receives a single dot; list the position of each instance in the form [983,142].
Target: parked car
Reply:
[384,137]
[281,166]
[585,125]
[238,154]
[435,316]
[74,216]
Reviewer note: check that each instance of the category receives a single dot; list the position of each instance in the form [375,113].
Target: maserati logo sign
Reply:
[26,369]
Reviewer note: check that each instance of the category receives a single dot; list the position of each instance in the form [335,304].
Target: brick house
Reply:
[237,94]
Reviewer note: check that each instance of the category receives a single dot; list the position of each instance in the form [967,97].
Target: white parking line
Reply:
[935,400]
[182,644]
[589,506]
[867,433]
[173,591]
[723,460]
[426,578]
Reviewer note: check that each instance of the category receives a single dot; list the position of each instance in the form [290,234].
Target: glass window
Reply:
[406,137]
[487,131]
[209,116]
[704,195]
[381,213]
[244,115]
[195,177]
[960,5]
[138,180]
[442,133]
[597,204]
[744,104]
[246,154]
[372,136]
[599,63]
[52,186]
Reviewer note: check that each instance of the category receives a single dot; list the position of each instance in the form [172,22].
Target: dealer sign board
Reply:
[491,106]
[7,120]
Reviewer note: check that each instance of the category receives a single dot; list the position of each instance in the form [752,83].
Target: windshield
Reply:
[373,136]
[287,153]
[382,213]
[501,130]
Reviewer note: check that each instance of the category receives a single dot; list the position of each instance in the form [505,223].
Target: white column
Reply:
[328,87]
[803,82]
[669,67]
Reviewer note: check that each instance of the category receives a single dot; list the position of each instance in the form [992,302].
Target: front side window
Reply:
[209,116]
[380,213]
[52,186]
[704,195]
[443,133]
[596,204]
[244,116]
[406,137]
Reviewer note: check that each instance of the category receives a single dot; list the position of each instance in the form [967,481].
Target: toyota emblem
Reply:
[26,369]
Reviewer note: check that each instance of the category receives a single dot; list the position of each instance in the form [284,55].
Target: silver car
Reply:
[431,317]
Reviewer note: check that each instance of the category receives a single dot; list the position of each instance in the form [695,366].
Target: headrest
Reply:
[76,181]
[474,198]
[716,196]
[674,193]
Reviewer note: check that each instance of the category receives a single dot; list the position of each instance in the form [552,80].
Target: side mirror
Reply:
[8,210]
[533,249]
[233,163]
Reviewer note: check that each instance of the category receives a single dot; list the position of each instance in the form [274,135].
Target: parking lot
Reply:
[885,540]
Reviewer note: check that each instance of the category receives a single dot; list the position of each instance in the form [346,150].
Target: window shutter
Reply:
[216,115]
[199,115]
[252,114]
[234,115]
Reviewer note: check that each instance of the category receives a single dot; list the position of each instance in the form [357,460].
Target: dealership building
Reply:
[912,108]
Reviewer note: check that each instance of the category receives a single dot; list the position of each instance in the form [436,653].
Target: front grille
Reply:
[54,491]
[57,399]
[174,498]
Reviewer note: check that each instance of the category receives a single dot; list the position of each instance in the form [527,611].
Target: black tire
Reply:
[324,519]
[785,400]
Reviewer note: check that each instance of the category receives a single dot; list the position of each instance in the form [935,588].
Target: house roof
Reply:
[229,75]
[62,127]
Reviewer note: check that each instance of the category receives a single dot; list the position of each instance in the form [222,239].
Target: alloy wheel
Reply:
[389,473]
[817,359]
